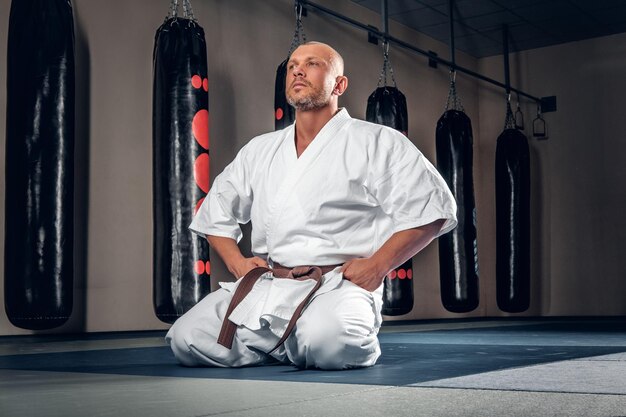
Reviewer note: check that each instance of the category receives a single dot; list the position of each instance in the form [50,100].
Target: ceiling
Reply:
[531,23]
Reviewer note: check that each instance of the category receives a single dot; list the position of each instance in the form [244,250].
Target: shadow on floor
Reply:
[408,357]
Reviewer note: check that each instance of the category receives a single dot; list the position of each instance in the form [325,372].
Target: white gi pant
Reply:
[337,330]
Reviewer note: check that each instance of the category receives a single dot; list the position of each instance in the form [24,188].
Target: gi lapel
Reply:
[297,166]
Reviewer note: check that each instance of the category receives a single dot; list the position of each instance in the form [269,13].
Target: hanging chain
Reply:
[386,67]
[173,8]
[509,121]
[453,102]
[519,116]
[187,10]
[298,35]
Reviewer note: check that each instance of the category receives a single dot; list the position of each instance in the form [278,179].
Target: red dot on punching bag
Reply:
[196,81]
[199,267]
[409,274]
[279,113]
[205,84]
[201,171]
[198,204]
[401,274]
[208,267]
[392,274]
[200,128]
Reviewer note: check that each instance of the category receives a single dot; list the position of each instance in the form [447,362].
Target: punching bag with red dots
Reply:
[387,106]
[39,199]
[284,114]
[181,267]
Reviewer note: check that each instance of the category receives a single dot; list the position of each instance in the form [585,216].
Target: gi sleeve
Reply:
[228,202]
[408,188]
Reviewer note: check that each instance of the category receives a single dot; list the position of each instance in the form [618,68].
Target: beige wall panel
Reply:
[246,40]
[578,175]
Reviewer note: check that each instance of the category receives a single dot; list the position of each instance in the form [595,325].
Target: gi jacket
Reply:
[355,185]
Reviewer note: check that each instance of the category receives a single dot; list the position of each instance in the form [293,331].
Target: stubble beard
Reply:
[317,99]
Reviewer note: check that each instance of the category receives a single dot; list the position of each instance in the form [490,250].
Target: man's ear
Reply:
[341,84]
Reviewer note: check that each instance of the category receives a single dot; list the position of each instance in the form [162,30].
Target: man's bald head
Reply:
[314,78]
[329,53]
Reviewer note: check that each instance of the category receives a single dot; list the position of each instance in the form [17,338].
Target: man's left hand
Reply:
[364,272]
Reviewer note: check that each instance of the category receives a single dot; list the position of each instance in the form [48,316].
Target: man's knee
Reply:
[333,343]
[180,339]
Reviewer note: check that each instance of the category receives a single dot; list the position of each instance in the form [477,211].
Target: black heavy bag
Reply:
[284,114]
[512,221]
[458,253]
[387,106]
[39,234]
[181,269]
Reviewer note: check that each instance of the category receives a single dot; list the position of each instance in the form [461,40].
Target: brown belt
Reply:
[300,273]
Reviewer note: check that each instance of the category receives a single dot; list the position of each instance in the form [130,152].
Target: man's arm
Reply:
[237,264]
[369,273]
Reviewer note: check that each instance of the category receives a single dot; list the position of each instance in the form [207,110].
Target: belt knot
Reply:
[300,273]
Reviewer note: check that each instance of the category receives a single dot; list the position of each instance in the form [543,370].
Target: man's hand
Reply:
[368,273]
[364,272]
[244,265]
[228,250]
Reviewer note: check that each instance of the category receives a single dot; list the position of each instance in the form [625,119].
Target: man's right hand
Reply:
[244,265]
[236,263]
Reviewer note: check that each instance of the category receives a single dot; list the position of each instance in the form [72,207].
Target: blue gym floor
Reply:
[477,367]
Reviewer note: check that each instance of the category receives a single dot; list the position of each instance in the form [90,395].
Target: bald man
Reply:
[353,198]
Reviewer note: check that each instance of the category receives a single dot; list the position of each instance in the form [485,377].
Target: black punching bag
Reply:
[39,234]
[458,255]
[387,106]
[181,268]
[512,221]
[284,114]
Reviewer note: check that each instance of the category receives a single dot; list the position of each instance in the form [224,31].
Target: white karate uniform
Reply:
[354,186]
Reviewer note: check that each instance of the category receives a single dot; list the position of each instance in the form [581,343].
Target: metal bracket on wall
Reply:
[372,36]
[432,59]
[548,104]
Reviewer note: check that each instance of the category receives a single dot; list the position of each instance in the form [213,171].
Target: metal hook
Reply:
[298,35]
[299,8]
[386,47]
[539,125]
[509,120]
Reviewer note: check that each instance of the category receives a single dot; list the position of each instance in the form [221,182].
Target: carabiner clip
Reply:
[539,125]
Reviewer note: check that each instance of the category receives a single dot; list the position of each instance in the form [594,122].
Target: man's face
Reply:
[310,78]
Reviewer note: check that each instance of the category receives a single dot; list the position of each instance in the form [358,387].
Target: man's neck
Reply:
[309,123]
